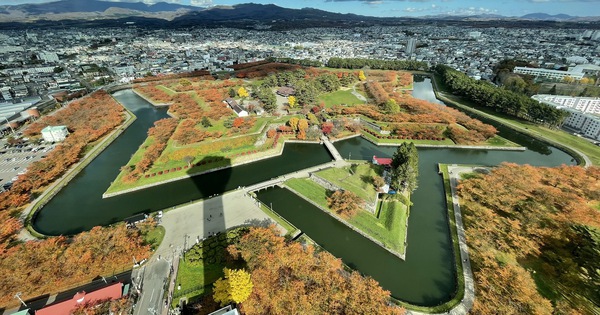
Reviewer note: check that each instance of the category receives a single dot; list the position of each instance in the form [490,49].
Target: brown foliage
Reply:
[161,77]
[292,279]
[262,70]
[39,267]
[521,213]
[345,203]
[88,119]
[161,132]
[375,89]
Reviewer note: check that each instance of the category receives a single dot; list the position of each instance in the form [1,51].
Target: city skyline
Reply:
[399,8]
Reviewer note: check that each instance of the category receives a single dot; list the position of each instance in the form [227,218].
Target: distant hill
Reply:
[547,17]
[69,6]
[98,13]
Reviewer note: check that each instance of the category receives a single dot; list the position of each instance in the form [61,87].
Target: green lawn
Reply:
[196,279]
[154,236]
[339,97]
[166,90]
[389,227]
[310,190]
[356,178]
[368,136]
[498,141]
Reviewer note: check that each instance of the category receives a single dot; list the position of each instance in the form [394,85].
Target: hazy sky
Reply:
[410,7]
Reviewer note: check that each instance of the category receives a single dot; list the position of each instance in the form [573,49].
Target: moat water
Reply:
[426,277]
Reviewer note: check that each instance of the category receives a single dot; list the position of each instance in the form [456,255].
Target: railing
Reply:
[180,293]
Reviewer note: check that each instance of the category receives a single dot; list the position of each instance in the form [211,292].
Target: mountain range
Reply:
[162,14]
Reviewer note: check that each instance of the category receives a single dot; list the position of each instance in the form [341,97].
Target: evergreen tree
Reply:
[405,167]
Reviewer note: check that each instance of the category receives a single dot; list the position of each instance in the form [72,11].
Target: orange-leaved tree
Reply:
[290,278]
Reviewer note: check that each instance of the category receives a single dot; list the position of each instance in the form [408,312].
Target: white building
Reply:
[583,104]
[48,56]
[55,133]
[585,123]
[411,46]
[577,72]
[548,73]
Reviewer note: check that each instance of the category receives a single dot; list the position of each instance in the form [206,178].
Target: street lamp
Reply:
[18,296]
[9,126]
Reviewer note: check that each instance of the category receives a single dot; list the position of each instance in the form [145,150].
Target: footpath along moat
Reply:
[429,265]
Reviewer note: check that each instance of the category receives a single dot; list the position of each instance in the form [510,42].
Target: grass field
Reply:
[196,279]
[388,227]
[372,138]
[154,236]
[339,97]
[356,178]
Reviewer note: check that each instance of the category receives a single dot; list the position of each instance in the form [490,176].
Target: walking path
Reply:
[334,152]
[467,302]
[358,95]
[185,226]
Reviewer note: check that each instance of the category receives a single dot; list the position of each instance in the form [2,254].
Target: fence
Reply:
[264,206]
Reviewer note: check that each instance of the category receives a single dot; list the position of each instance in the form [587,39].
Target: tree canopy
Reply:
[405,167]
[524,223]
[235,286]
[506,101]
[290,278]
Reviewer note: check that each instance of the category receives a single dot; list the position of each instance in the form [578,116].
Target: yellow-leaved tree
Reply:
[361,75]
[293,122]
[292,100]
[242,92]
[235,286]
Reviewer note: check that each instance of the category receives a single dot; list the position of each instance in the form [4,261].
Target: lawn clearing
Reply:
[355,178]
[389,227]
[340,97]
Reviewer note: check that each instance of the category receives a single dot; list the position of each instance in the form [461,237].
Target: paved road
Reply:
[184,226]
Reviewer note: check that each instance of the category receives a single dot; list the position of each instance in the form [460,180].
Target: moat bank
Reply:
[427,277]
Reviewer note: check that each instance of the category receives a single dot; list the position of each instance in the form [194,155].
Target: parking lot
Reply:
[15,160]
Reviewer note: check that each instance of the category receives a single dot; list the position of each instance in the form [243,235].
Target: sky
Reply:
[406,7]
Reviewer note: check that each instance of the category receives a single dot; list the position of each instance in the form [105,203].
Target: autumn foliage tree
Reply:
[345,203]
[38,267]
[361,75]
[292,100]
[290,278]
[520,218]
[242,92]
[235,286]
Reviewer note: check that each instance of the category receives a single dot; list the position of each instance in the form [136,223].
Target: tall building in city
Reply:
[411,46]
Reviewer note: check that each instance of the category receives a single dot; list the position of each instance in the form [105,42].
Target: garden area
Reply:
[203,264]
[204,133]
[387,224]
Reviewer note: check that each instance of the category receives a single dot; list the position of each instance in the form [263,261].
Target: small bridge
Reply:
[334,152]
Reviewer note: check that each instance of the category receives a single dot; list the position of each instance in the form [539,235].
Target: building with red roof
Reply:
[111,292]
[382,161]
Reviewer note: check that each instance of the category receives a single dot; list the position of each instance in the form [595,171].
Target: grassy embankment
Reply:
[388,224]
[556,137]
